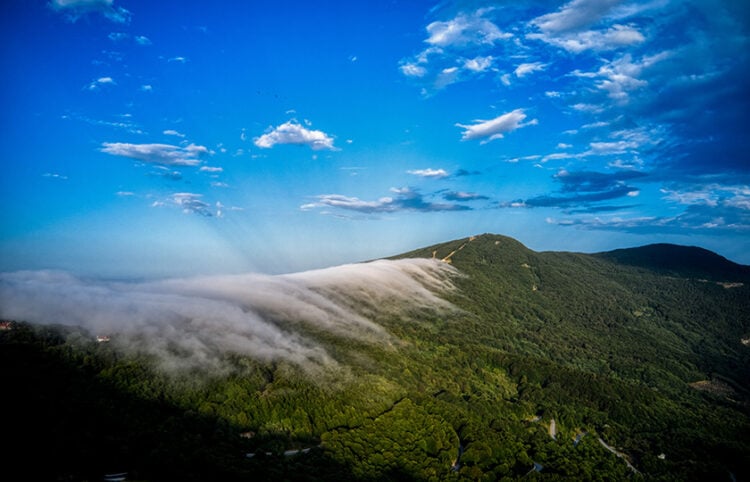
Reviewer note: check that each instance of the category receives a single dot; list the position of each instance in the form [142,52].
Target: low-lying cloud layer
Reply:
[196,322]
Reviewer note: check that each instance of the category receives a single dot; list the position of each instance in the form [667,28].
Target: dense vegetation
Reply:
[554,362]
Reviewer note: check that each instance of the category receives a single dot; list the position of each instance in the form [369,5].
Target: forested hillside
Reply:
[622,365]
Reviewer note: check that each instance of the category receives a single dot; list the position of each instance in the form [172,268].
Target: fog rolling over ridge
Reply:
[195,322]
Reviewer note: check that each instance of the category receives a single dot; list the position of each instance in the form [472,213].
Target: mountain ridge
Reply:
[558,365]
[665,258]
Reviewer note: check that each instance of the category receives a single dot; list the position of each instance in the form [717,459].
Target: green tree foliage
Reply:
[604,345]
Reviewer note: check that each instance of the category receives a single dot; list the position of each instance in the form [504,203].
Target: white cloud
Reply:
[179,60]
[613,38]
[142,40]
[447,77]
[128,126]
[75,9]
[96,84]
[431,173]
[465,29]
[172,132]
[525,69]
[595,125]
[125,193]
[562,145]
[635,163]
[184,324]
[574,15]
[384,204]
[118,36]
[556,156]
[590,108]
[413,70]
[211,169]
[569,27]
[493,129]
[192,203]
[478,64]
[610,148]
[146,88]
[621,76]
[406,199]
[505,79]
[54,175]
[163,154]
[292,132]
[452,52]
[712,195]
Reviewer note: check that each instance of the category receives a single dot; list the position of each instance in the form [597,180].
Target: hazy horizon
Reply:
[146,140]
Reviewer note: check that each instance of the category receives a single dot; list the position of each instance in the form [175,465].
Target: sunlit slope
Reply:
[610,313]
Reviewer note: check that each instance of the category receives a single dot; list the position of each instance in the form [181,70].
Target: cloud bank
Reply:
[195,323]
[406,199]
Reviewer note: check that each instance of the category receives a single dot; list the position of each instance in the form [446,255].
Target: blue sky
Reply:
[150,139]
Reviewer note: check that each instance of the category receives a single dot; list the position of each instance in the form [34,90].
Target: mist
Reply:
[195,323]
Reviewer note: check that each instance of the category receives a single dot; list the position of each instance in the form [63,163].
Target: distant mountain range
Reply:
[629,364]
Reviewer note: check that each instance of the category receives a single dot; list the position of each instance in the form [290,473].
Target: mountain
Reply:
[631,364]
[685,261]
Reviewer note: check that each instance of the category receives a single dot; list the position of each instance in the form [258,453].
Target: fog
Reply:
[188,323]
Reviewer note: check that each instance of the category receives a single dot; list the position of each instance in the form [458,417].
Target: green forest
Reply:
[626,365]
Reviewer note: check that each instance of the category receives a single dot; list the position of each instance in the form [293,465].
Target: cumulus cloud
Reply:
[623,75]
[490,130]
[566,28]
[478,64]
[211,169]
[172,132]
[196,323]
[75,9]
[612,38]
[163,154]
[465,29]
[575,15]
[411,69]
[96,84]
[455,52]
[292,132]
[431,173]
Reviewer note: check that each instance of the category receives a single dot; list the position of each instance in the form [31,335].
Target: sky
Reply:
[146,139]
